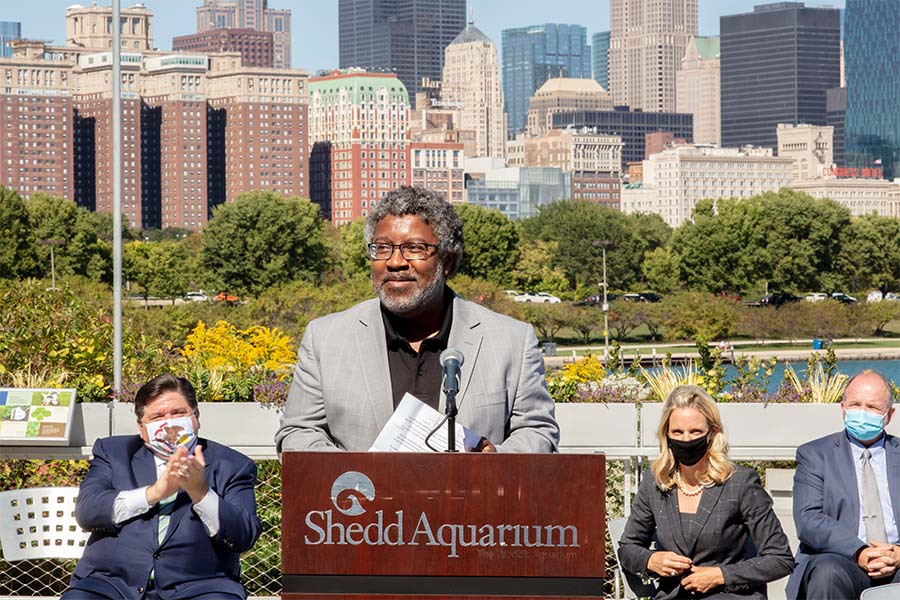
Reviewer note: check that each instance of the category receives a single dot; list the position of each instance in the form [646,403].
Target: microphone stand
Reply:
[451,411]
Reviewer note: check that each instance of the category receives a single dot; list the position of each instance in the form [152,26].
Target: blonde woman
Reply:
[702,510]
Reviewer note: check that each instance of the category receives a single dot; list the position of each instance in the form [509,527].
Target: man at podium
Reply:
[354,367]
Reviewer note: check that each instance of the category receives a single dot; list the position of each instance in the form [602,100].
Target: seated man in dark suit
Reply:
[847,499]
[169,512]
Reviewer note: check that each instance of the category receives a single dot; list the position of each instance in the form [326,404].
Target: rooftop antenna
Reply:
[471,16]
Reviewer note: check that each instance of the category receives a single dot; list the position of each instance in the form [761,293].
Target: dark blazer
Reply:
[188,562]
[826,499]
[728,516]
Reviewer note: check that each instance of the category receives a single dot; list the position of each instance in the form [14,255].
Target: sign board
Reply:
[36,416]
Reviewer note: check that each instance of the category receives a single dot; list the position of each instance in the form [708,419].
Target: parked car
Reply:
[650,297]
[816,297]
[537,297]
[777,299]
[196,297]
[843,298]
[511,293]
[891,296]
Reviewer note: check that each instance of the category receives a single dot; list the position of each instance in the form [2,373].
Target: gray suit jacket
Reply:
[826,499]
[340,397]
[729,516]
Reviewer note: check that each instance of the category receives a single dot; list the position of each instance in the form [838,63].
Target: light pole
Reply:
[52,243]
[602,244]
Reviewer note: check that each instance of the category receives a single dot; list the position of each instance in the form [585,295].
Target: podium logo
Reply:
[400,528]
[344,487]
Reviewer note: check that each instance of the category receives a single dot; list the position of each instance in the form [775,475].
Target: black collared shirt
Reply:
[418,373]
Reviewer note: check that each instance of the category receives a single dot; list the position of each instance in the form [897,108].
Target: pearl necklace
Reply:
[683,488]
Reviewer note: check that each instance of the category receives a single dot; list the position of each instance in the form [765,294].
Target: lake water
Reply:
[889,368]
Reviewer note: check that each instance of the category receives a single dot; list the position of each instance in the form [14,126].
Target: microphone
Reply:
[451,361]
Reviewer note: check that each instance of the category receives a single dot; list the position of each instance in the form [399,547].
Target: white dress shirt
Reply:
[131,503]
[879,467]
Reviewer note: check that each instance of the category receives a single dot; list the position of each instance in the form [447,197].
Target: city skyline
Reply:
[315,23]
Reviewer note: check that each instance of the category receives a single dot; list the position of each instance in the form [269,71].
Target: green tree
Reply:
[352,249]
[17,251]
[263,239]
[536,270]
[787,239]
[661,270]
[491,241]
[699,316]
[882,313]
[85,247]
[868,256]
[575,225]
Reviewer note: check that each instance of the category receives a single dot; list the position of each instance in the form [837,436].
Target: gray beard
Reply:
[422,295]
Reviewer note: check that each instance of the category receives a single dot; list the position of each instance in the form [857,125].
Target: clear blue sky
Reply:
[315,21]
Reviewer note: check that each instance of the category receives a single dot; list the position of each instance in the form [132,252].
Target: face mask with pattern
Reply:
[165,436]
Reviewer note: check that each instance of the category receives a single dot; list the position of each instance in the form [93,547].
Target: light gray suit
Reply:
[341,393]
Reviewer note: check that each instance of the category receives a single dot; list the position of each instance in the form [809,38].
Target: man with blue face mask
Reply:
[847,499]
[169,512]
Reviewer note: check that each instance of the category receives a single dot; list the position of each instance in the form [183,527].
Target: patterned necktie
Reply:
[873,516]
[165,513]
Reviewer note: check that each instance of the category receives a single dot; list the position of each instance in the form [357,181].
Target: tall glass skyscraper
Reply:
[407,37]
[9,31]
[776,64]
[600,50]
[532,55]
[871,56]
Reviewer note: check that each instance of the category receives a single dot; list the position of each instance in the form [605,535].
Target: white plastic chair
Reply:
[40,523]
[632,585]
[890,591]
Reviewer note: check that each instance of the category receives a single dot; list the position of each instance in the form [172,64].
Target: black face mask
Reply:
[690,452]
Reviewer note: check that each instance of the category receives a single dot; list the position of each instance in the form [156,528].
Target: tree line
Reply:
[777,241]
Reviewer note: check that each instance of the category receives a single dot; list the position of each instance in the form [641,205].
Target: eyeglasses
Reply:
[174,414]
[408,250]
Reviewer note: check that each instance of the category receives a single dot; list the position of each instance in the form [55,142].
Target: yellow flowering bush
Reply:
[227,363]
[225,347]
[564,382]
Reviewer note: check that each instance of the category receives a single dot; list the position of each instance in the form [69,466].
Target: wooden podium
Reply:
[392,525]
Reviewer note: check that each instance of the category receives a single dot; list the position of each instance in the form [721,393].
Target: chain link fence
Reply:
[261,566]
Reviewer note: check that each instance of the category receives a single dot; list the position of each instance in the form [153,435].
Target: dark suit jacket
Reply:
[826,499]
[188,562]
[717,536]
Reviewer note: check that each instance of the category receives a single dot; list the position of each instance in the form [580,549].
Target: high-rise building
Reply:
[256,130]
[600,52]
[564,94]
[407,37]
[250,14]
[697,88]
[631,126]
[647,42]
[532,55]
[811,147]
[10,31]
[776,65]
[471,83]
[92,144]
[358,137]
[675,179]
[36,125]
[835,117]
[439,167]
[256,47]
[91,27]
[871,52]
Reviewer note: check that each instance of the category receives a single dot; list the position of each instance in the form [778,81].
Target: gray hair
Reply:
[884,380]
[433,209]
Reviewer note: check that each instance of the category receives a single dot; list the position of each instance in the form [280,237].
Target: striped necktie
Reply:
[165,513]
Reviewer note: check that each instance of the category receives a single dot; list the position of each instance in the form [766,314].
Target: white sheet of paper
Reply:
[411,423]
